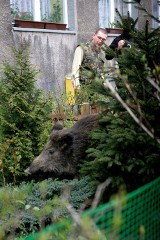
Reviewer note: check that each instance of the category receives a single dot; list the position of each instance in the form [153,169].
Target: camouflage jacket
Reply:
[92,64]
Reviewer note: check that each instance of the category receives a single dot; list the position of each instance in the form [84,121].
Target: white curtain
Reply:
[107,14]
[22,5]
[104,13]
[156,13]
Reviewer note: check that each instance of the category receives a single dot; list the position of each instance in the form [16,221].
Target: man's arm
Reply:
[77,61]
[116,45]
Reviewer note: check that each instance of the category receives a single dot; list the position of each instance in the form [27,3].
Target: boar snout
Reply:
[64,149]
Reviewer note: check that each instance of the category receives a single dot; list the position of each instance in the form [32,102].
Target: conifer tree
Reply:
[127,145]
[24,115]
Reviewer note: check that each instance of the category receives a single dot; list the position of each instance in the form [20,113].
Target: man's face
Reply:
[99,38]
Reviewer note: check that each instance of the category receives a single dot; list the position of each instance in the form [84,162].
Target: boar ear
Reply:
[66,139]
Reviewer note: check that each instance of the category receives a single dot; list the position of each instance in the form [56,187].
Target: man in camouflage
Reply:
[88,59]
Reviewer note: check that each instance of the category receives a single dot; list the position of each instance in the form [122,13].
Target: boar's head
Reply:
[64,149]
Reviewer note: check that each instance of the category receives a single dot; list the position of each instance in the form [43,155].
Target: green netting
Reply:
[135,216]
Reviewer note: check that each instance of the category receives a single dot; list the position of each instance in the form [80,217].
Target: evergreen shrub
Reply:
[126,148]
[24,116]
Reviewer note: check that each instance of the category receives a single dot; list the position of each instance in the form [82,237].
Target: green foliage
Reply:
[148,41]
[125,22]
[138,4]
[63,109]
[24,115]
[25,16]
[31,206]
[56,13]
[85,94]
[15,13]
[127,148]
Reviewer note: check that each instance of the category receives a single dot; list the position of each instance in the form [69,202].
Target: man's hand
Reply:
[120,44]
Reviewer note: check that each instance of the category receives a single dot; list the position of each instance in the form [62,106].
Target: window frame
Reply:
[107,18]
[35,7]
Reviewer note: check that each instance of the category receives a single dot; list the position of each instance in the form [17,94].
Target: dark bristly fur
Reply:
[64,149]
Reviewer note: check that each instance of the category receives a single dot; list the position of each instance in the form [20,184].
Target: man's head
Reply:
[99,37]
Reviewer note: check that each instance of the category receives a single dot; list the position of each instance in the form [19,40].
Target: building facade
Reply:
[52,51]
[65,10]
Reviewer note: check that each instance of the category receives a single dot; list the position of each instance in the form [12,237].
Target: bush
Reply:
[24,116]
[31,206]
[126,146]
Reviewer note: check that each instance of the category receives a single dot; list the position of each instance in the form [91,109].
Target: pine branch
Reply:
[117,96]
[137,105]
[143,9]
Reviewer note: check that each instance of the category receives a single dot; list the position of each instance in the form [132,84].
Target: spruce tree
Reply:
[24,115]
[126,147]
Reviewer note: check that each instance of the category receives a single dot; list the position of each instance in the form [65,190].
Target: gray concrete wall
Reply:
[6,36]
[51,53]
[87,19]
[142,16]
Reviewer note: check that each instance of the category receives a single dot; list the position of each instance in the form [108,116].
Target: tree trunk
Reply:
[6,35]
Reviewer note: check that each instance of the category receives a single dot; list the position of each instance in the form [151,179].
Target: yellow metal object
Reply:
[69,91]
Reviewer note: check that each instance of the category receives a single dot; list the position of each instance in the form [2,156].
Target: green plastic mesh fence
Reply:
[135,216]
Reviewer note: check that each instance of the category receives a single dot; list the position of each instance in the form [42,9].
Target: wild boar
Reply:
[64,149]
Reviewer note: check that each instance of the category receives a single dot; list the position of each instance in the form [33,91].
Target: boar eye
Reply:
[51,151]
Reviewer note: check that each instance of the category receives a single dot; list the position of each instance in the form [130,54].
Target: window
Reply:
[45,10]
[155,12]
[107,14]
